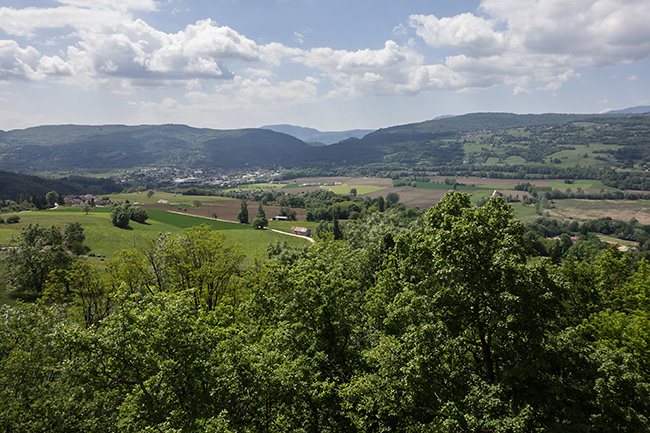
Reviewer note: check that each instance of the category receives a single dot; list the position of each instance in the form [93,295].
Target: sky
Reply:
[328,64]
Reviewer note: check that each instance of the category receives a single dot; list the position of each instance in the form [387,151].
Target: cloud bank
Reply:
[525,45]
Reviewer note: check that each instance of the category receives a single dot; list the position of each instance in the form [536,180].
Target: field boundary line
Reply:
[236,222]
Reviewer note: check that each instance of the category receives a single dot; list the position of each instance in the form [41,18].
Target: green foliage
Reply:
[260,221]
[51,198]
[73,232]
[121,215]
[86,208]
[15,185]
[392,197]
[198,262]
[242,216]
[435,321]
[38,251]
[138,214]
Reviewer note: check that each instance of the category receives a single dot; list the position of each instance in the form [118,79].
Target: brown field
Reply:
[623,210]
[572,209]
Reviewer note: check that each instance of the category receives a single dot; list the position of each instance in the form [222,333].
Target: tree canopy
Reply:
[412,322]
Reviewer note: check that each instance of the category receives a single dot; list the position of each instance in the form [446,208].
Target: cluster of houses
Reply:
[78,200]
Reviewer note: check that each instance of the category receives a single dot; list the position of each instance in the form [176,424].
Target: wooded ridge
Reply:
[476,139]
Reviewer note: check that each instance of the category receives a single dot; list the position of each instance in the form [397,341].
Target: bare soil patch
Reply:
[623,210]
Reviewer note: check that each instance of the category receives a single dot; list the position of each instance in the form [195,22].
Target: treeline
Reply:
[437,322]
[321,205]
[624,180]
[579,239]
[13,186]
[555,193]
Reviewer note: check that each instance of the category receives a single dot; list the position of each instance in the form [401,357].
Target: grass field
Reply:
[361,189]
[105,239]
[258,186]
[177,200]
[618,241]
[583,184]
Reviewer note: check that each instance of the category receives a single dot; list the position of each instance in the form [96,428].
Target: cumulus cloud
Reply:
[470,35]
[110,43]
[538,44]
[17,62]
[364,72]
[26,22]
[527,45]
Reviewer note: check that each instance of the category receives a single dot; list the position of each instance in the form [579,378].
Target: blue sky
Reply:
[327,64]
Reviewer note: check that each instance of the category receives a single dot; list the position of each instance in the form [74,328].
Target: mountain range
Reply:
[112,147]
[640,109]
[314,136]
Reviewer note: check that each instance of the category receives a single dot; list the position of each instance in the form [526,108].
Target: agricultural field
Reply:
[623,210]
[361,189]
[339,185]
[426,194]
[258,186]
[225,209]
[177,200]
[105,239]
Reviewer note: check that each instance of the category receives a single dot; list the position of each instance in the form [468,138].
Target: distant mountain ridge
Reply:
[631,110]
[311,135]
[78,147]
[432,143]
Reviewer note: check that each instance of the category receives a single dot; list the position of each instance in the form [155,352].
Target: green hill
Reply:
[478,139]
[483,121]
[13,185]
[73,147]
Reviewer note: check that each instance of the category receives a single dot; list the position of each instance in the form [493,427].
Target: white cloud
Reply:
[17,62]
[539,44]
[527,45]
[199,50]
[470,35]
[364,72]
[237,98]
[120,5]
[25,22]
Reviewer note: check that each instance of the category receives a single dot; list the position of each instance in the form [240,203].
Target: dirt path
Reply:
[237,222]
[291,234]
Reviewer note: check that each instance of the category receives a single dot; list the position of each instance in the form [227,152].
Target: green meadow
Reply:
[105,239]
[345,189]
[582,184]
[177,200]
[258,186]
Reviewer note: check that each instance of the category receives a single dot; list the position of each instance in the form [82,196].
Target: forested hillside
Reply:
[15,185]
[78,148]
[479,141]
[413,322]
